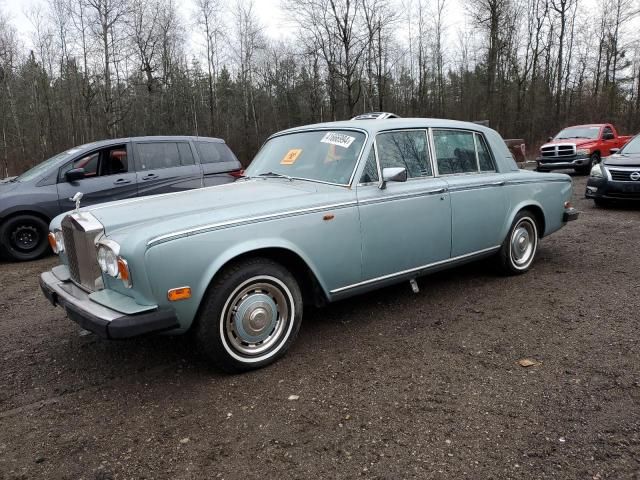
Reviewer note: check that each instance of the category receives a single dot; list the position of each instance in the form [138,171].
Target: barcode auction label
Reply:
[339,139]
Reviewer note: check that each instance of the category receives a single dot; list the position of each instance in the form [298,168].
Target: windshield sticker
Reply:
[291,156]
[338,139]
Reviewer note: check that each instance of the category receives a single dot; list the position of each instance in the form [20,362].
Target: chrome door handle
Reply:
[151,176]
[121,181]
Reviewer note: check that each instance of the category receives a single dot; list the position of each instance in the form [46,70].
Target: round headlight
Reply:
[108,261]
[59,240]
[596,171]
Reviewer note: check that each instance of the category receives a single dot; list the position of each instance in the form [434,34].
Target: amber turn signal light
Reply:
[123,272]
[52,242]
[567,205]
[182,293]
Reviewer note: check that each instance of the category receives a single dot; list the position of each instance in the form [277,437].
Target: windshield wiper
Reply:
[275,175]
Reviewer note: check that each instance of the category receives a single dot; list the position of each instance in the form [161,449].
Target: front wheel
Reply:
[24,237]
[593,159]
[519,248]
[250,315]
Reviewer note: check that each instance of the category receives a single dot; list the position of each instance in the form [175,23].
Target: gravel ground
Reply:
[388,385]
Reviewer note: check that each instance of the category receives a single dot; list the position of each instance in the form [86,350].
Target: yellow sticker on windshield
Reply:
[291,156]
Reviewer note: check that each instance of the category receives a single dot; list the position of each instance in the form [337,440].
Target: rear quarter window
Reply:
[213,152]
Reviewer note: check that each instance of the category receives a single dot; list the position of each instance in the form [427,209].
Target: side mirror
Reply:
[393,174]
[608,136]
[549,139]
[614,150]
[74,174]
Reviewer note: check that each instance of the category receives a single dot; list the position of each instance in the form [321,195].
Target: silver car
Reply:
[324,212]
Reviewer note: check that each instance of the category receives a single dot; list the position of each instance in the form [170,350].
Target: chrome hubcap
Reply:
[257,317]
[523,243]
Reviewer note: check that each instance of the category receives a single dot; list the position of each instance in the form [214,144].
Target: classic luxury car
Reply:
[617,177]
[324,212]
[103,171]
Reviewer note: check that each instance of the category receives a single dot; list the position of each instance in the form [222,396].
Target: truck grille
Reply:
[558,151]
[79,232]
[622,175]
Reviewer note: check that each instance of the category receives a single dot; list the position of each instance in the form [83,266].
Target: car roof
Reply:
[115,141]
[374,126]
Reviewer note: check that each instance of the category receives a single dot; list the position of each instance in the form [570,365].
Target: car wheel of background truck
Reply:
[519,248]
[24,237]
[593,159]
[250,315]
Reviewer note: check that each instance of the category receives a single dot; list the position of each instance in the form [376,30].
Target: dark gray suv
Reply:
[105,171]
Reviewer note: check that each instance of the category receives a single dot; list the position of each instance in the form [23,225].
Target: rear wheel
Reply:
[24,237]
[250,315]
[519,248]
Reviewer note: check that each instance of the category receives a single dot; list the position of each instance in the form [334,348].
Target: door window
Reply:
[155,156]
[107,161]
[408,149]
[484,155]
[455,151]
[370,173]
[607,133]
[186,155]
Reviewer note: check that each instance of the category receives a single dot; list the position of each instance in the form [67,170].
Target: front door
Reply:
[406,225]
[108,176]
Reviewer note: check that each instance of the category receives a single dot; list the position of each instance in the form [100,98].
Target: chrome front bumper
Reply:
[101,320]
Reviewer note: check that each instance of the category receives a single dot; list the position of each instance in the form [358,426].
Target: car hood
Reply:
[623,160]
[6,185]
[578,142]
[150,217]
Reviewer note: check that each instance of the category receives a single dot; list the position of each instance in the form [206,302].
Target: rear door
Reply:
[164,166]
[109,175]
[478,200]
[219,164]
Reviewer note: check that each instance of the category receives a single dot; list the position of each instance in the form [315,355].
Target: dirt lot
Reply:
[390,385]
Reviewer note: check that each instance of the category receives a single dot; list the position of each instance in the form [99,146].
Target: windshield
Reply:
[321,155]
[579,132]
[41,168]
[633,147]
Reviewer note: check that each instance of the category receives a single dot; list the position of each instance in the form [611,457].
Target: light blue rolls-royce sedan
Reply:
[324,212]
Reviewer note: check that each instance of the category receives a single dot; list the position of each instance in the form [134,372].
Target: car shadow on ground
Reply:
[88,355]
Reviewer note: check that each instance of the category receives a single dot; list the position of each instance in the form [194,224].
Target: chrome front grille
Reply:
[80,231]
[558,151]
[623,175]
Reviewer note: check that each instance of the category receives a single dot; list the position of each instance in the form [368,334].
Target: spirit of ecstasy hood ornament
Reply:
[76,198]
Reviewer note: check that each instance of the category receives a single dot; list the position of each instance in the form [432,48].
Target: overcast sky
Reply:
[276,23]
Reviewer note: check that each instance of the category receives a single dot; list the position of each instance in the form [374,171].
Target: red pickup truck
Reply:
[580,147]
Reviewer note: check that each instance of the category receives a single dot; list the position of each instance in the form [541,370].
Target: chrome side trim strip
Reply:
[537,180]
[476,186]
[402,196]
[417,269]
[236,223]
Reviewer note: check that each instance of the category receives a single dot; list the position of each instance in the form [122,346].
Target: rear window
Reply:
[211,152]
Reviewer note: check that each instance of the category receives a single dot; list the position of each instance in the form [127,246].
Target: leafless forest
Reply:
[111,68]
